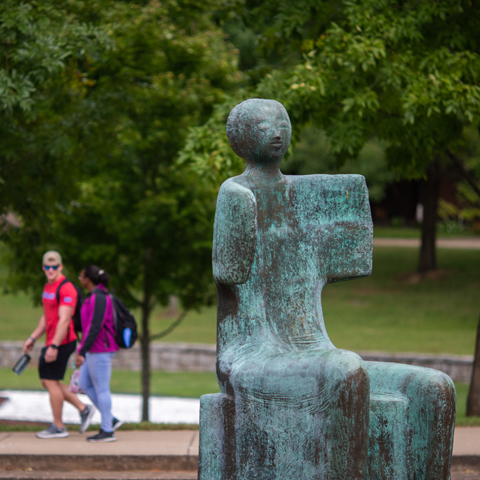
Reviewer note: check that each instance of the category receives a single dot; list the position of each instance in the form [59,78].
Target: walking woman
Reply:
[97,349]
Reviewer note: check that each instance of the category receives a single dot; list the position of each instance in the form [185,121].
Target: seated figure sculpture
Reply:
[292,406]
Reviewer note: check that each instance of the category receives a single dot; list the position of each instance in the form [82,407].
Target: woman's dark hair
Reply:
[96,275]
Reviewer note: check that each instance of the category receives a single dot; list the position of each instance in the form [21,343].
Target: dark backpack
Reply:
[124,322]
[77,321]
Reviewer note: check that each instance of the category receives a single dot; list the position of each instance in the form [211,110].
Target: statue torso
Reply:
[304,225]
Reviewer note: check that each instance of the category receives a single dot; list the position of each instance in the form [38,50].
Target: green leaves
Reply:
[15,90]
[389,69]
[207,151]
[115,88]
[38,39]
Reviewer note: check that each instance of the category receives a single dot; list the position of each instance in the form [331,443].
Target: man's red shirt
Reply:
[68,297]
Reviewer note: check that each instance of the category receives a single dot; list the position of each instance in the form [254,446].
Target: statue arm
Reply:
[350,236]
[235,234]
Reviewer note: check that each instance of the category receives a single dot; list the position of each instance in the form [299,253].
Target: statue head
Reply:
[259,131]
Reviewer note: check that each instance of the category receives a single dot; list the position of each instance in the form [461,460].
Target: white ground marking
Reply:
[35,407]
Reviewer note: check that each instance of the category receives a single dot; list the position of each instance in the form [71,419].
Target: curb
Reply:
[102,463]
[42,475]
[467,461]
[21,475]
[134,463]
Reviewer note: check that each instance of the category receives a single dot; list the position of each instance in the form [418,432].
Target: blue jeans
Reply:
[95,376]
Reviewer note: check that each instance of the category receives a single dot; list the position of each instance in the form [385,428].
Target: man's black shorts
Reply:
[55,370]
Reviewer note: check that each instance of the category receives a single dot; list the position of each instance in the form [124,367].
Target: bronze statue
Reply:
[292,406]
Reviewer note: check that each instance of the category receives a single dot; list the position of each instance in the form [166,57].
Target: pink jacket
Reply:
[97,323]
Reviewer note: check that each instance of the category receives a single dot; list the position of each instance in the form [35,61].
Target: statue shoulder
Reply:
[236,186]
[235,233]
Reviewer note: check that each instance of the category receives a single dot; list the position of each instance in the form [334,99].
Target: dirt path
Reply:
[471,243]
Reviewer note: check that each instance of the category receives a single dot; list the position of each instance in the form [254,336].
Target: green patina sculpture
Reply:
[292,406]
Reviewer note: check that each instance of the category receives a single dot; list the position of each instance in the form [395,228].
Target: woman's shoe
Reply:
[102,437]
[86,417]
[116,423]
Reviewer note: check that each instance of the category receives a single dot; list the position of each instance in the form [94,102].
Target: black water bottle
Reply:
[21,364]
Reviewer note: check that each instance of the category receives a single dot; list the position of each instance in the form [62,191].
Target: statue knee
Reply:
[431,385]
[331,374]
[433,394]
[348,368]
[439,389]
[343,378]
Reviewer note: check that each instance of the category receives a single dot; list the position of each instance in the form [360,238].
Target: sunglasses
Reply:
[48,267]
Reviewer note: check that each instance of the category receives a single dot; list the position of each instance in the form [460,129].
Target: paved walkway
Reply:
[466,441]
[471,243]
[144,443]
[184,442]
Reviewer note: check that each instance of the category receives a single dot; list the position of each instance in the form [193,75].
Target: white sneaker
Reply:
[53,432]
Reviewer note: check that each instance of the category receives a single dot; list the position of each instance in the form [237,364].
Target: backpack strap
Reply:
[97,322]
[57,295]
[64,281]
[114,313]
[112,299]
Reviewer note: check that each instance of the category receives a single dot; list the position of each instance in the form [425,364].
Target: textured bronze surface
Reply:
[292,406]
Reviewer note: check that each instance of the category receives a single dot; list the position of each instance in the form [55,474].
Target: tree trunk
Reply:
[145,340]
[428,260]
[473,400]
[145,344]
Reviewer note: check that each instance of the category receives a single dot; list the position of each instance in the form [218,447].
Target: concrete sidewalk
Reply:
[181,443]
[160,452]
[162,443]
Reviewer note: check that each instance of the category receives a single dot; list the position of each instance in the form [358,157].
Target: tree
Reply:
[312,155]
[473,399]
[44,48]
[388,69]
[131,208]
[469,192]
[404,72]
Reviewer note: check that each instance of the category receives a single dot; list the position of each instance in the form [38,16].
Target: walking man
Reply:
[59,300]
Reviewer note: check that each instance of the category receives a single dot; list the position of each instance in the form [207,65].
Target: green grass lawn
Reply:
[382,312]
[179,384]
[169,384]
[387,312]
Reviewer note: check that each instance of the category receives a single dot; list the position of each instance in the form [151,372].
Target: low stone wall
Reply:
[457,367]
[163,356]
[195,357]
[201,358]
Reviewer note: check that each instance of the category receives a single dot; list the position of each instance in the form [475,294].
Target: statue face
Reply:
[262,132]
